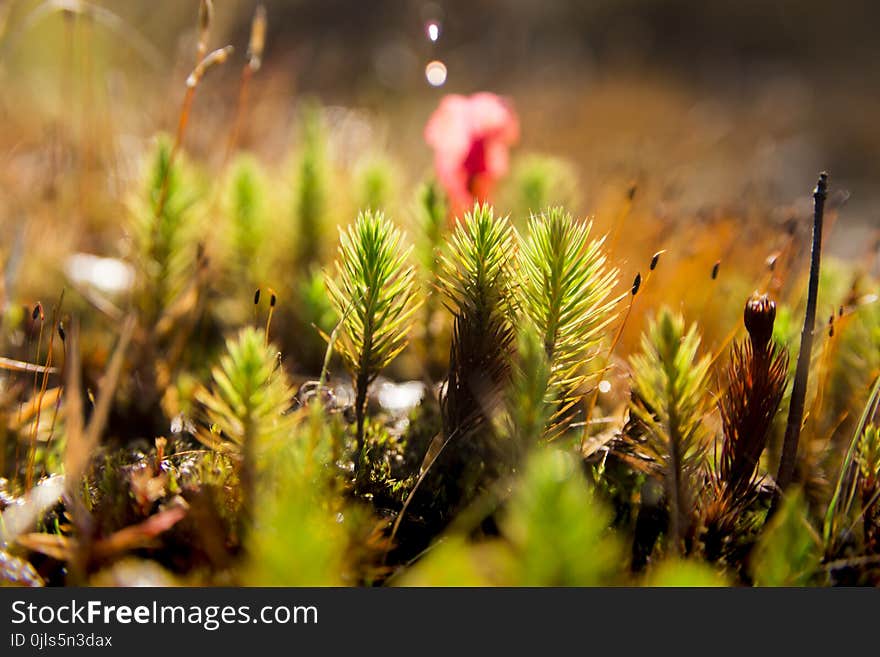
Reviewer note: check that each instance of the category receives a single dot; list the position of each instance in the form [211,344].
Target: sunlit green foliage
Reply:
[869,488]
[688,574]
[310,190]
[789,550]
[854,352]
[539,181]
[317,308]
[565,291]
[247,237]
[298,539]
[431,221]
[476,279]
[164,230]
[857,473]
[453,562]
[669,383]
[431,230]
[869,454]
[476,274]
[249,395]
[552,493]
[528,409]
[374,183]
[374,296]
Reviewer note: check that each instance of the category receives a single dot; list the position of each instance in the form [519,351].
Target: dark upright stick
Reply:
[799,391]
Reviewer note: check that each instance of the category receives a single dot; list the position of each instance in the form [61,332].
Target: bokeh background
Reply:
[722,107]
[714,99]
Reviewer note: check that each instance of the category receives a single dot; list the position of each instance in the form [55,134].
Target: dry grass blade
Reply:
[20,366]
[32,452]
[82,441]
[141,535]
[76,452]
[98,420]
[254,60]
[29,409]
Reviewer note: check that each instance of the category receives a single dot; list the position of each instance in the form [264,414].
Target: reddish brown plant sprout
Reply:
[756,376]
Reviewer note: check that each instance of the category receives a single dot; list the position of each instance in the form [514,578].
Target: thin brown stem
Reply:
[240,113]
[32,453]
[360,409]
[63,379]
[594,398]
[178,140]
[625,211]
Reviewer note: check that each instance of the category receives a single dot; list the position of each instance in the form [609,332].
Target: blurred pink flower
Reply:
[471,136]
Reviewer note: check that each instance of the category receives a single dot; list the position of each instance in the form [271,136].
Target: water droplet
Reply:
[432,29]
[109,275]
[604,386]
[401,397]
[435,73]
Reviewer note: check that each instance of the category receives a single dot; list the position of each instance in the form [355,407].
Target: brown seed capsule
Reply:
[637,283]
[258,39]
[715,269]
[655,259]
[257,297]
[38,312]
[272,300]
[213,58]
[759,316]
[61,332]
